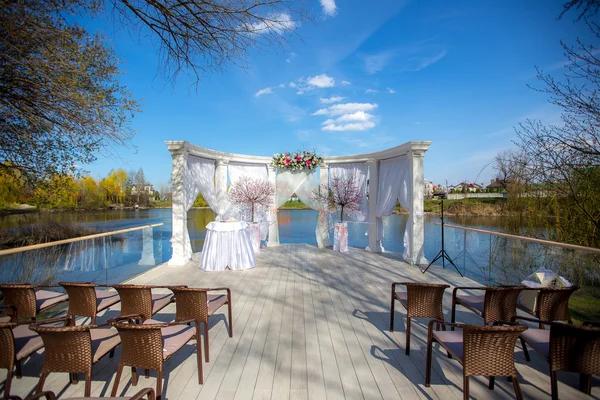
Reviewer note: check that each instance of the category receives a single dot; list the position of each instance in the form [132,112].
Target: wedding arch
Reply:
[387,176]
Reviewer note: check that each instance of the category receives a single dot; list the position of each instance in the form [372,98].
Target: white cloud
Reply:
[329,7]
[357,116]
[266,90]
[328,121]
[292,84]
[289,59]
[330,100]
[431,60]
[321,81]
[391,91]
[279,23]
[377,62]
[281,85]
[346,108]
[345,83]
[371,91]
[355,126]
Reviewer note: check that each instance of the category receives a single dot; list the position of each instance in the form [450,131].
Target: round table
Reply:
[227,244]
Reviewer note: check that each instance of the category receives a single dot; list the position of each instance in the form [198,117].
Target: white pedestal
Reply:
[254,233]
[340,237]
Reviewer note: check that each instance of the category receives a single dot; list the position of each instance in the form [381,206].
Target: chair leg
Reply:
[40,386]
[518,393]
[147,373]
[94,320]
[553,385]
[18,372]
[392,304]
[525,351]
[585,383]
[206,355]
[453,314]
[199,355]
[492,381]
[407,336]
[117,380]
[428,367]
[88,384]
[134,377]
[159,384]
[73,378]
[7,383]
[465,387]
[230,318]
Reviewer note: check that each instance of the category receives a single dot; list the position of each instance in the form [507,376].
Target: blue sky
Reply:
[365,77]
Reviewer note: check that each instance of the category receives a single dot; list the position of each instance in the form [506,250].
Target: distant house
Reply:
[470,187]
[142,188]
[294,197]
[429,189]
[495,185]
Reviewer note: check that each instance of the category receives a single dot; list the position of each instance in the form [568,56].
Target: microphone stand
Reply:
[442,254]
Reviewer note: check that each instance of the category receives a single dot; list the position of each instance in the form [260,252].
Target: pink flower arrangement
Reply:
[297,161]
[308,162]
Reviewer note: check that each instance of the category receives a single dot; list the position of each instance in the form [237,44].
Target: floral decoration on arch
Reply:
[297,160]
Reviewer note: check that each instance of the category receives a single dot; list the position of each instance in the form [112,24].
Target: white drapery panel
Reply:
[305,194]
[244,213]
[198,177]
[288,183]
[359,172]
[393,186]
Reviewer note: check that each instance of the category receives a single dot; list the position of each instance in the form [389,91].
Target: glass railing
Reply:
[495,258]
[103,258]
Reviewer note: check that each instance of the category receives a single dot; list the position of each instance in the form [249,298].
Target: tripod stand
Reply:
[442,254]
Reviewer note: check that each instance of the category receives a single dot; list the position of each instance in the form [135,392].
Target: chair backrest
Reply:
[553,304]
[425,299]
[191,303]
[141,345]
[7,344]
[67,348]
[135,299]
[82,298]
[575,348]
[22,296]
[489,350]
[500,303]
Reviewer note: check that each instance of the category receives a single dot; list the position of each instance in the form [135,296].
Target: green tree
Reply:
[11,187]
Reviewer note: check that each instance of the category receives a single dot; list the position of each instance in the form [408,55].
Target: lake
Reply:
[110,261]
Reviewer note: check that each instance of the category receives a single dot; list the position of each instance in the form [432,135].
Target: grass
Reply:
[584,307]
[294,205]
[482,206]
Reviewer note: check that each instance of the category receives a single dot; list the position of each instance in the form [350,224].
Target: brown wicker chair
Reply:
[552,304]
[17,343]
[147,394]
[139,300]
[481,350]
[496,304]
[566,347]
[198,304]
[87,300]
[30,300]
[149,345]
[74,349]
[421,300]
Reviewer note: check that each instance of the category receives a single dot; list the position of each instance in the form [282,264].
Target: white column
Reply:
[374,239]
[178,209]
[273,239]
[416,219]
[221,186]
[324,174]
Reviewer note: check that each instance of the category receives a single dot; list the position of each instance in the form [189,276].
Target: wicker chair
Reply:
[198,304]
[149,345]
[30,300]
[147,394]
[421,300]
[87,300]
[17,343]
[481,350]
[566,347]
[139,300]
[74,349]
[496,304]
[551,304]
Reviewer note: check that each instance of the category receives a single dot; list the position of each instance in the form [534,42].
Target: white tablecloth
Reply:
[340,237]
[227,244]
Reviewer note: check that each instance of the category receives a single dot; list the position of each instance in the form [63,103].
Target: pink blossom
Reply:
[308,162]
[298,158]
[287,160]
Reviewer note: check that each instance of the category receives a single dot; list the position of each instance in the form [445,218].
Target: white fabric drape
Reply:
[393,186]
[227,245]
[305,194]
[288,183]
[244,213]
[198,177]
[359,172]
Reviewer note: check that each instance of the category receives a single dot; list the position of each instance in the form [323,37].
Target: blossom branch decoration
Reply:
[252,192]
[342,193]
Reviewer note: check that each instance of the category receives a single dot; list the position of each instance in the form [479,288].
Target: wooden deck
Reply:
[309,323]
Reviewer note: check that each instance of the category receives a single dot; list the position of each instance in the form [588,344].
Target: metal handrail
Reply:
[72,240]
[528,239]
